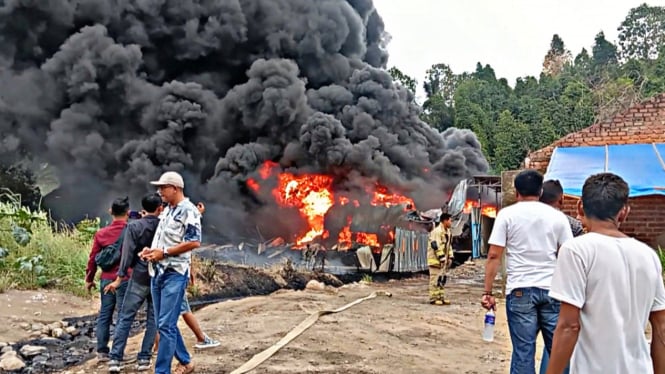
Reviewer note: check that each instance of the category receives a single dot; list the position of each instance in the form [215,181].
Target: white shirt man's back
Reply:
[616,283]
[531,233]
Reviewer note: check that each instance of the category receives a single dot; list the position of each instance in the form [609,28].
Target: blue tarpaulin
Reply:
[642,166]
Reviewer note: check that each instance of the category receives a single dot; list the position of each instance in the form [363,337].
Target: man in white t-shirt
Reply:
[609,285]
[531,233]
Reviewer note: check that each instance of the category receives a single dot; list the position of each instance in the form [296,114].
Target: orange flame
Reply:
[312,195]
[382,197]
[487,210]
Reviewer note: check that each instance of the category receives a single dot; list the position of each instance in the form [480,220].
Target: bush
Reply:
[34,255]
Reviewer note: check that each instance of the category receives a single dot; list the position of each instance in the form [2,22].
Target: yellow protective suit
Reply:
[436,259]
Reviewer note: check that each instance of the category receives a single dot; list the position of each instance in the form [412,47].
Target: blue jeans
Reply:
[135,295]
[109,302]
[529,311]
[545,360]
[184,307]
[168,290]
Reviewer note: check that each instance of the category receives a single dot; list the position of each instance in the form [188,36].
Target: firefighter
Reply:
[439,257]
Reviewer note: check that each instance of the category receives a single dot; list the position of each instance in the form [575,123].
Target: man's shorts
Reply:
[184,307]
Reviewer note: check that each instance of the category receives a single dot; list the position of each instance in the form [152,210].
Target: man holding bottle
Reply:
[531,233]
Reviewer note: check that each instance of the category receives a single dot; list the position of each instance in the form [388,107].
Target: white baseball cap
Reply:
[170,178]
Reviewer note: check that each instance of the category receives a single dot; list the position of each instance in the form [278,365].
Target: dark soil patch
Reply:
[218,282]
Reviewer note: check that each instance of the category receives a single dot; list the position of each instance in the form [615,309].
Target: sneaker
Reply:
[143,365]
[115,366]
[103,357]
[207,343]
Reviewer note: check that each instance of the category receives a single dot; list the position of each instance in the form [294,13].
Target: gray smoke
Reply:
[112,93]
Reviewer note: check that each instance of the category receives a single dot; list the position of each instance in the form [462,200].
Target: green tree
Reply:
[440,84]
[437,113]
[642,32]
[440,80]
[604,52]
[512,142]
[403,79]
[557,57]
[582,65]
[478,103]
[577,103]
[653,82]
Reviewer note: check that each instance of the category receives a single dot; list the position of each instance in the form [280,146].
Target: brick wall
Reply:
[642,123]
[645,222]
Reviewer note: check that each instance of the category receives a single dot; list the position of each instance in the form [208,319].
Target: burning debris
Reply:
[112,94]
[313,195]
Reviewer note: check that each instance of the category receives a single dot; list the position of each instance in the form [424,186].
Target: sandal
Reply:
[184,369]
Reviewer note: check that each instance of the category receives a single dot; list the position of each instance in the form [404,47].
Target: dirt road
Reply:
[20,309]
[400,334]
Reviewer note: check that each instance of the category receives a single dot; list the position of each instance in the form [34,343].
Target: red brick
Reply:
[643,123]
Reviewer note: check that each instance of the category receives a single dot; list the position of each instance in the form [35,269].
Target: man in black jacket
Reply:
[139,234]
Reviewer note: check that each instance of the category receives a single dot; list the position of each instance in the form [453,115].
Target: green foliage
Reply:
[87,228]
[512,141]
[557,58]
[440,85]
[642,33]
[22,182]
[32,255]
[403,79]
[604,52]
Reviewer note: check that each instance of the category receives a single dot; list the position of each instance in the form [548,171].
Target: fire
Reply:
[487,210]
[468,205]
[382,197]
[253,184]
[312,195]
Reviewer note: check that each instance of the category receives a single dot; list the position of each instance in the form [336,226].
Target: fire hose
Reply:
[261,357]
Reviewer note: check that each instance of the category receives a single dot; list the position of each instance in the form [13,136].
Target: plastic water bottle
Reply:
[488,332]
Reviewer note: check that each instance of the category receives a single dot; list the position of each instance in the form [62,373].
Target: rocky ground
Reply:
[398,334]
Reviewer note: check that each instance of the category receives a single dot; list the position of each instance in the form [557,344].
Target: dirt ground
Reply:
[400,334]
[18,308]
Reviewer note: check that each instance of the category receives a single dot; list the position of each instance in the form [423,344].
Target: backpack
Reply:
[110,255]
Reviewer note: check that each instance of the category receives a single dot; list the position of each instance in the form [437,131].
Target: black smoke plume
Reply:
[112,93]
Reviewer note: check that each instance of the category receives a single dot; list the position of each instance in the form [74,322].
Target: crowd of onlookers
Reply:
[581,283]
[151,267]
